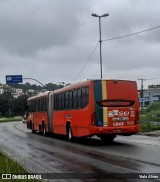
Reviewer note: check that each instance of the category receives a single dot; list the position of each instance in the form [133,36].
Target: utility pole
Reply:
[141,92]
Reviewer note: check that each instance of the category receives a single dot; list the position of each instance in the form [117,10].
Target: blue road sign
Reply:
[143,100]
[13,78]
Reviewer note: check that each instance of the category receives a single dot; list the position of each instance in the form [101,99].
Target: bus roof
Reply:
[39,95]
[85,83]
[76,85]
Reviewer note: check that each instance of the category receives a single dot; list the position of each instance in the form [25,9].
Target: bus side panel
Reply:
[50,112]
[58,125]
[38,117]
[80,119]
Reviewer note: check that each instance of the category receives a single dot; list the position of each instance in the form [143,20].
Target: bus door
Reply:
[116,103]
[50,112]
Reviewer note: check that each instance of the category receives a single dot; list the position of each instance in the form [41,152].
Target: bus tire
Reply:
[33,130]
[30,125]
[107,138]
[44,129]
[69,133]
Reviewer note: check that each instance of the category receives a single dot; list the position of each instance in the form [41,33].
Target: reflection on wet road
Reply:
[134,154]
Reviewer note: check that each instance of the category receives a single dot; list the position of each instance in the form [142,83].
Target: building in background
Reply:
[152,94]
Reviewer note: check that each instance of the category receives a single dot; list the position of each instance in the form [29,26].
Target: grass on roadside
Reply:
[8,166]
[18,118]
[150,115]
[148,126]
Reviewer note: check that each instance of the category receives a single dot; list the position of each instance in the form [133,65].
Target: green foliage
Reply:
[10,106]
[149,116]
[18,106]
[51,86]
[27,86]
[18,118]
[8,166]
[155,106]
[152,112]
[5,99]
[148,126]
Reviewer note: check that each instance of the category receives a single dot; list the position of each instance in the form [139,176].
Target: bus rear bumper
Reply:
[125,130]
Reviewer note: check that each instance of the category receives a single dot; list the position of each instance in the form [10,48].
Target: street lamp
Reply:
[100,41]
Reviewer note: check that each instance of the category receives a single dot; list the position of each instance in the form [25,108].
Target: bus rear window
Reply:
[115,103]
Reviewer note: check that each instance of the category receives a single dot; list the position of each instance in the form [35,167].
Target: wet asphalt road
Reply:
[39,154]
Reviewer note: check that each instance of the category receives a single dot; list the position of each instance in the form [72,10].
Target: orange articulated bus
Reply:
[105,108]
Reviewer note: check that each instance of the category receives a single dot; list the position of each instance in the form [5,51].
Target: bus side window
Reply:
[43,104]
[56,101]
[70,100]
[63,99]
[74,99]
[66,100]
[59,101]
[34,105]
[45,108]
[39,105]
[79,98]
[85,96]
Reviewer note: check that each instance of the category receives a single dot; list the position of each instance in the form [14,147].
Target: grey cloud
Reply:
[51,40]
[27,27]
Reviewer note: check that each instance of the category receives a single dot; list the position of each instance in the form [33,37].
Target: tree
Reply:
[5,104]
[18,105]
[51,86]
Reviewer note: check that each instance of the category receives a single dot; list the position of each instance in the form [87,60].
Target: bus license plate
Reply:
[117,131]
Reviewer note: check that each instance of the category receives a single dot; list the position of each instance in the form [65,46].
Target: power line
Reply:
[149,78]
[128,35]
[114,38]
[86,62]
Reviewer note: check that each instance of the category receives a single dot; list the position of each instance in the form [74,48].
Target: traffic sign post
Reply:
[14,79]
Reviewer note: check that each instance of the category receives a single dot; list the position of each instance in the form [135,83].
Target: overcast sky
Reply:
[51,40]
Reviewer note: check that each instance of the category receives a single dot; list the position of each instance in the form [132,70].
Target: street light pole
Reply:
[100,39]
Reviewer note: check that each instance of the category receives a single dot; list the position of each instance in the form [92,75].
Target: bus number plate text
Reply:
[118,123]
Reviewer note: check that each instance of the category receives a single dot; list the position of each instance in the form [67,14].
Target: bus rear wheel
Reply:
[107,138]
[69,133]
[44,129]
[33,130]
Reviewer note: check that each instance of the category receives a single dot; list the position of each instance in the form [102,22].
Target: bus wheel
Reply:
[30,125]
[44,129]
[69,133]
[107,138]
[33,130]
